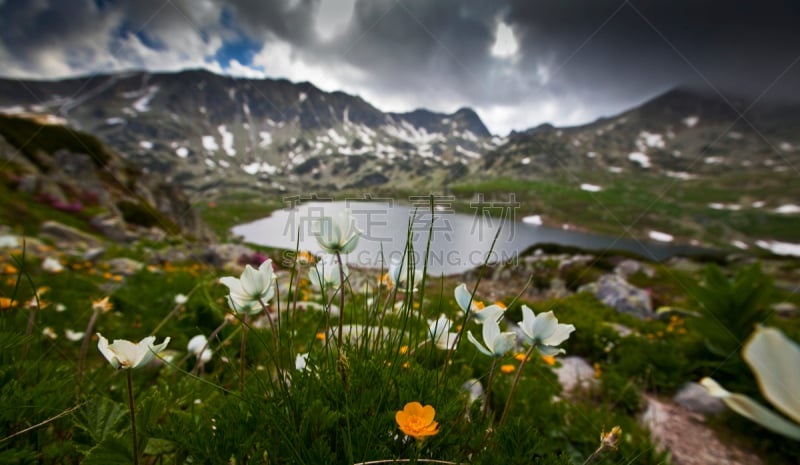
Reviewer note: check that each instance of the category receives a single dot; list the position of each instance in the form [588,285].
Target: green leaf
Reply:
[100,418]
[112,451]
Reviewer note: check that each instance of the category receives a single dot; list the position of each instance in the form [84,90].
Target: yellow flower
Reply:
[417,421]
[305,258]
[10,269]
[549,359]
[519,356]
[597,370]
[102,305]
[5,302]
[507,368]
[320,336]
[403,350]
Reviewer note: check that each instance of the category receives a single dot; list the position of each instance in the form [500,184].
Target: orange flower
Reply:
[417,421]
[549,359]
[5,302]
[403,350]
[507,368]
[500,304]
[320,336]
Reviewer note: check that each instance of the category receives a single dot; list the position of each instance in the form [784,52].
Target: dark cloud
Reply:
[576,60]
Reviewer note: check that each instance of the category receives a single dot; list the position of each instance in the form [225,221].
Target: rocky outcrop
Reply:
[617,293]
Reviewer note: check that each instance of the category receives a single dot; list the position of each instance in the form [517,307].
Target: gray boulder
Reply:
[695,398]
[575,373]
[617,293]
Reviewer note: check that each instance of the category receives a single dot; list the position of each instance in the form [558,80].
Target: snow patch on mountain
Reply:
[266,139]
[788,209]
[642,159]
[210,143]
[590,187]
[780,248]
[259,167]
[691,121]
[227,140]
[142,104]
[661,236]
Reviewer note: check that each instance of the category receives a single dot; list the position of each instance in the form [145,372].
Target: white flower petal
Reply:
[478,345]
[751,409]
[463,297]
[110,355]
[560,335]
[775,361]
[544,325]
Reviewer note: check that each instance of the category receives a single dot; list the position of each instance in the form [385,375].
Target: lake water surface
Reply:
[459,241]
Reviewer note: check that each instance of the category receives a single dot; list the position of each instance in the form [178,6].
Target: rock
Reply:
[91,255]
[688,439]
[124,266]
[695,398]
[785,309]
[617,293]
[621,330]
[226,255]
[575,372]
[113,227]
[67,236]
[627,268]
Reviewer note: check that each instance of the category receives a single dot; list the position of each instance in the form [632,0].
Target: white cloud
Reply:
[333,17]
[280,60]
[505,44]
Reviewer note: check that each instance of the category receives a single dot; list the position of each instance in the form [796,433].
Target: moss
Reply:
[32,138]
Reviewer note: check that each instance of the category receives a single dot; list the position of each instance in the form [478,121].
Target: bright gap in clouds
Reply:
[505,44]
[333,17]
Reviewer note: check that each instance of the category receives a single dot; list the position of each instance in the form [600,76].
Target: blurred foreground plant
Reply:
[775,362]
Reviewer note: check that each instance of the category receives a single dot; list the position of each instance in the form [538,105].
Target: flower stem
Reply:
[341,298]
[133,418]
[242,352]
[489,389]
[276,355]
[514,385]
[85,345]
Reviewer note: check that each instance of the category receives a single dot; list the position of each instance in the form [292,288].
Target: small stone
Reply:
[695,398]
[575,373]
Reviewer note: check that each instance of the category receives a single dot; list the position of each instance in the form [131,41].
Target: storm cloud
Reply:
[518,63]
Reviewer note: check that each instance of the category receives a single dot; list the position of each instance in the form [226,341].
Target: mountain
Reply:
[681,134]
[212,133]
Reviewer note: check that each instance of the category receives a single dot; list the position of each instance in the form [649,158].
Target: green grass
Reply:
[341,409]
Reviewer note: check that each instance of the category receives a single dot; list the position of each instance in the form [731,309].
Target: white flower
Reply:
[52,265]
[326,272]
[73,335]
[49,332]
[181,299]
[496,343]
[473,307]
[253,288]
[339,234]
[439,331]
[544,331]
[301,361]
[463,297]
[198,345]
[122,354]
[398,274]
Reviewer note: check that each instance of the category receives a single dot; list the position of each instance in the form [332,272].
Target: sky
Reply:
[517,63]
